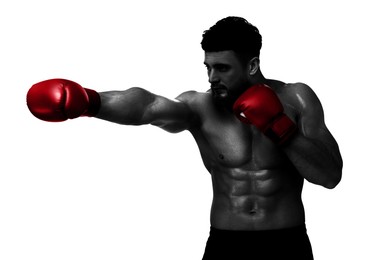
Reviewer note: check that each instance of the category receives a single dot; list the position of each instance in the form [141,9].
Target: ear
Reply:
[253,66]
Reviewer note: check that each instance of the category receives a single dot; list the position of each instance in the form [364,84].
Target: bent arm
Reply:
[314,151]
[137,106]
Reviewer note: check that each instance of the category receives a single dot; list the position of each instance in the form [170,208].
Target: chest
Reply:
[225,141]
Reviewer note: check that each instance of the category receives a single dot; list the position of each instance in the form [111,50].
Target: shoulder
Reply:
[309,111]
[193,99]
[198,103]
[299,95]
[298,88]
[189,96]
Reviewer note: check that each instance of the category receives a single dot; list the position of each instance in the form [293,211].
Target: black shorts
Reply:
[291,243]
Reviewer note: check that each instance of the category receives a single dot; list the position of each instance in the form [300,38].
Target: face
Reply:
[226,74]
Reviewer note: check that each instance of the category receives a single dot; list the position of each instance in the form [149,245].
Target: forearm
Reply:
[317,162]
[125,107]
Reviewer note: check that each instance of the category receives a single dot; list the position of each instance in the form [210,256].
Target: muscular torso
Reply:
[255,186]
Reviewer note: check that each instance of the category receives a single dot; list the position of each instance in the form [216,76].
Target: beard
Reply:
[224,97]
[221,95]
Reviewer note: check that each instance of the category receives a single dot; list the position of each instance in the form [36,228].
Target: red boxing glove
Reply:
[260,106]
[57,100]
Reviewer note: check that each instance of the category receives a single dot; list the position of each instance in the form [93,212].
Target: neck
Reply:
[258,78]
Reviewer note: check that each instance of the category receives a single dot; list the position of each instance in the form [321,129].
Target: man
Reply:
[259,139]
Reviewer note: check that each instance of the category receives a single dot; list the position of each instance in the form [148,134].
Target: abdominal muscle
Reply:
[256,199]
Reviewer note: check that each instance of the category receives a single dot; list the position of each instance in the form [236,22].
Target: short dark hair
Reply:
[233,33]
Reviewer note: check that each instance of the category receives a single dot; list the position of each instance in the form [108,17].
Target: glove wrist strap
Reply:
[94,103]
[281,130]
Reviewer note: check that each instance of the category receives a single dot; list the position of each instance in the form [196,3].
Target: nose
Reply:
[213,76]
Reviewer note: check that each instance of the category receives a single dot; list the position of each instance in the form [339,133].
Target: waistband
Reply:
[300,229]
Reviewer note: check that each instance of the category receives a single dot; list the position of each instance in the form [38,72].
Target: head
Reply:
[232,47]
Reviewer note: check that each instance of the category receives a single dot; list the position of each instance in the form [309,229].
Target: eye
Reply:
[222,67]
[208,68]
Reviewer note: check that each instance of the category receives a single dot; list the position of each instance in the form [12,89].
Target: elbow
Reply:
[334,181]
[331,185]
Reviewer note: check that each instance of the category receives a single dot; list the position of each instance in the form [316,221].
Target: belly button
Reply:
[252,212]
[221,156]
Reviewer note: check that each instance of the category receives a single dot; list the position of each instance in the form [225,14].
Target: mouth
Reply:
[218,88]
[219,91]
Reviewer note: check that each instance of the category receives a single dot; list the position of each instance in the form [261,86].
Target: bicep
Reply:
[137,106]
[312,126]
[171,115]
[311,119]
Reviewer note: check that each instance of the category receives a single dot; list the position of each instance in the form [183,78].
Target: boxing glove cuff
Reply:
[94,102]
[281,130]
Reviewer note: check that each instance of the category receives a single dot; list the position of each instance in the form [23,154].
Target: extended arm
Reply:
[57,100]
[137,106]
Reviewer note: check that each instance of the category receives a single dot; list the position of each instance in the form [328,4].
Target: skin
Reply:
[257,184]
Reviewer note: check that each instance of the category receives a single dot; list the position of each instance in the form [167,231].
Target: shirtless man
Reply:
[258,138]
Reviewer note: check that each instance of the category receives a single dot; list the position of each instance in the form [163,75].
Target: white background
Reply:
[89,189]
